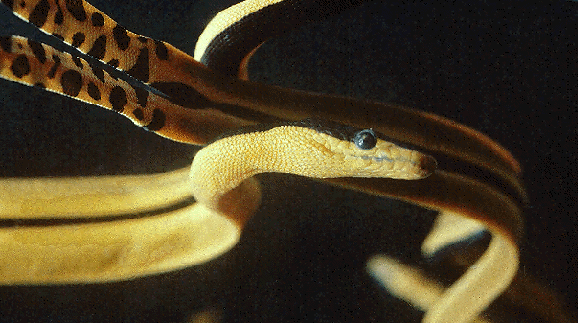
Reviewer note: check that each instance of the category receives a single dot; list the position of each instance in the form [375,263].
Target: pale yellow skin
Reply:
[110,250]
[225,19]
[485,275]
[408,283]
[221,174]
[103,196]
[225,164]
[163,250]
[470,295]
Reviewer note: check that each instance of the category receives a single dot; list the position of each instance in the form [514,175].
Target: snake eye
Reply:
[365,139]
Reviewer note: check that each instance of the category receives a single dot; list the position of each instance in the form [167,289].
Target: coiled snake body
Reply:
[186,112]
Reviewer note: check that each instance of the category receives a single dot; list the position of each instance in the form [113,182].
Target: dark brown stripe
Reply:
[333,129]
[117,98]
[158,121]
[39,14]
[98,72]
[54,67]
[77,61]
[142,39]
[76,9]
[59,17]
[93,91]
[38,51]
[97,19]
[20,66]
[55,220]
[138,113]
[71,82]
[228,49]
[140,70]
[98,48]
[120,37]
[78,39]
[141,96]
[182,94]
[161,50]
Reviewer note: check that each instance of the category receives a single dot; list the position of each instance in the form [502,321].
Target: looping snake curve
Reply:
[373,147]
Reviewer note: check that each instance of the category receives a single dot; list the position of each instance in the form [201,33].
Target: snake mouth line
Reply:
[426,164]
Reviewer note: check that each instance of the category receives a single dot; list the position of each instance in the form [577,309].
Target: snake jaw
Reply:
[295,150]
[385,160]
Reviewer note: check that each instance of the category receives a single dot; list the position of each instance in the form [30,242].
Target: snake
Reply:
[377,148]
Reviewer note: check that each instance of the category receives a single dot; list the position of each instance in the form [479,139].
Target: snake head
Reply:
[339,150]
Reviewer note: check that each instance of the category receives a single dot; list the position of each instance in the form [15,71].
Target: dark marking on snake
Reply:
[93,91]
[120,37]
[21,66]
[54,67]
[140,70]
[77,61]
[76,9]
[141,96]
[117,98]
[77,39]
[138,113]
[98,72]
[161,50]
[98,48]
[71,82]
[39,14]
[37,50]
[97,19]
[59,16]
[158,121]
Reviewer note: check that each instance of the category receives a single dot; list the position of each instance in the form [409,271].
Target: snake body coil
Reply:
[198,104]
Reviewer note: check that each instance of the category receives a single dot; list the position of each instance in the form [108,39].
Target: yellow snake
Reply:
[226,162]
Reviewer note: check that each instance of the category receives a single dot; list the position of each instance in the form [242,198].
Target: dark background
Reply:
[507,69]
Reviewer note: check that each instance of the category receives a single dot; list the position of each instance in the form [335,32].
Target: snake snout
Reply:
[428,165]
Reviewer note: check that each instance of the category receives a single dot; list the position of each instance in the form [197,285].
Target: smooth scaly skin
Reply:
[408,283]
[102,196]
[161,65]
[107,228]
[482,283]
[217,181]
[227,163]
[145,59]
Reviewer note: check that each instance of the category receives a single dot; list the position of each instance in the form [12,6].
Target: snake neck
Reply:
[221,179]
[221,171]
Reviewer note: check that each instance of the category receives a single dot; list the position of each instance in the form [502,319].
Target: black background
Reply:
[507,69]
